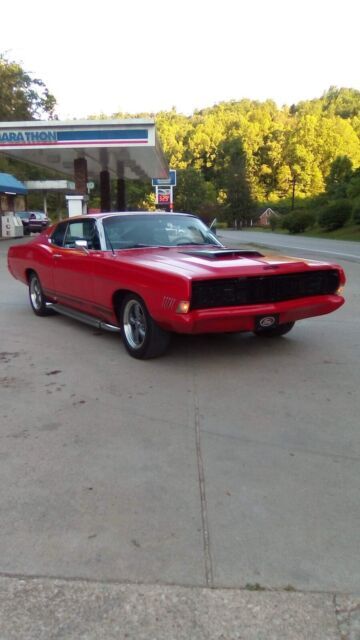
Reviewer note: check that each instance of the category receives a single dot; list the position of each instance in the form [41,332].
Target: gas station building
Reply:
[83,150]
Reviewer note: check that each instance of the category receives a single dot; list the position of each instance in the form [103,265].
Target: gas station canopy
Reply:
[129,148]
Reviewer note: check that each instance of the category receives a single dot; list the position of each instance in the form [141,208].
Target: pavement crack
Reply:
[201,474]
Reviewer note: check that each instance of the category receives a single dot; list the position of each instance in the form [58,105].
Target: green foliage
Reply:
[280,153]
[335,215]
[138,195]
[353,185]
[339,177]
[274,222]
[298,221]
[22,97]
[193,193]
[356,211]
[231,177]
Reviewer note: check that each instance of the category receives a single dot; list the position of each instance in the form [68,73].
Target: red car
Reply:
[151,274]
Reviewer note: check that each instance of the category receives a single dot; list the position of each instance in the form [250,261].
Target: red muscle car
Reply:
[151,274]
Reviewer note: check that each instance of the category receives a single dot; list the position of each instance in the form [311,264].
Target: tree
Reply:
[353,187]
[232,181]
[339,177]
[22,97]
[193,194]
[342,102]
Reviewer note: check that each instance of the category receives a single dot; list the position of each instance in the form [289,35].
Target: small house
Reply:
[264,218]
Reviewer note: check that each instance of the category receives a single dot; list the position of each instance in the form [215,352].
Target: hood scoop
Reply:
[218,254]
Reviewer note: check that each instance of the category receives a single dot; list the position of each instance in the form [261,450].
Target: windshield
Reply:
[153,230]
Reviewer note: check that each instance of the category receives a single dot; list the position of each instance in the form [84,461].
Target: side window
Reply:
[82,230]
[57,237]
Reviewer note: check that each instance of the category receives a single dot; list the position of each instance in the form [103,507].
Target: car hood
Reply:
[212,262]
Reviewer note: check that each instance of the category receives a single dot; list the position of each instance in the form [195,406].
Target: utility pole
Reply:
[293,193]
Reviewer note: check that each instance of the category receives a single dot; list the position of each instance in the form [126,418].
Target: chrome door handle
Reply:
[57,255]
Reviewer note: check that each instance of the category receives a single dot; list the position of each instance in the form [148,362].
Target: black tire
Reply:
[274,332]
[142,337]
[36,296]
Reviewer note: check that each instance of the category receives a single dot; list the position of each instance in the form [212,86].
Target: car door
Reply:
[73,266]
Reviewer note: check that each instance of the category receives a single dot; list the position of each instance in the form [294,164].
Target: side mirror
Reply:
[82,244]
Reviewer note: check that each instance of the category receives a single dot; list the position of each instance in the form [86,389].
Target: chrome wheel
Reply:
[36,295]
[134,324]
[142,336]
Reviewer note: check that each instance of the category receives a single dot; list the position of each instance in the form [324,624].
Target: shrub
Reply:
[356,211]
[298,221]
[273,222]
[335,215]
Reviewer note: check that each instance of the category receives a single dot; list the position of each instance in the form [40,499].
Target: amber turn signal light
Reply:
[183,306]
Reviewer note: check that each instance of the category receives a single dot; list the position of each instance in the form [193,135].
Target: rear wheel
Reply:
[143,338]
[273,332]
[37,298]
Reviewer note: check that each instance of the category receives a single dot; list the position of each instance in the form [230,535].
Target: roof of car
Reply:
[109,214]
[138,213]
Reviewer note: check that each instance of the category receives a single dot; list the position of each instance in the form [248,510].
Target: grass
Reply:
[349,232]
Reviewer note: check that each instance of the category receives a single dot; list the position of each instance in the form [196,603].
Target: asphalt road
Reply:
[324,249]
[230,462]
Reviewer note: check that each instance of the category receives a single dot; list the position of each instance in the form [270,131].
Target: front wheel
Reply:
[143,338]
[36,295]
[273,332]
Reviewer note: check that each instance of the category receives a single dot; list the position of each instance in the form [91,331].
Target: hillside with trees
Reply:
[236,158]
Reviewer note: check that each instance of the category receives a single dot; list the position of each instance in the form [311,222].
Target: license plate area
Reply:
[268,321]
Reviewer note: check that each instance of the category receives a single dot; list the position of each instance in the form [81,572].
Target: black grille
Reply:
[233,292]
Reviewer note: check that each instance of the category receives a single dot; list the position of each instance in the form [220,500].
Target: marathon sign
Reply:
[34,137]
[25,137]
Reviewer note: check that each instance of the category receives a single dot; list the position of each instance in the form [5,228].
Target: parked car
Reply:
[151,274]
[33,221]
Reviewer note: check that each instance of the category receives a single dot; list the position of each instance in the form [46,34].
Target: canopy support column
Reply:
[120,188]
[81,177]
[105,194]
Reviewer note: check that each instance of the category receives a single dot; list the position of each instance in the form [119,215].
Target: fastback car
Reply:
[151,274]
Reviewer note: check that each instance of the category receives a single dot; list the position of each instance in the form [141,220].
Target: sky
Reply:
[150,55]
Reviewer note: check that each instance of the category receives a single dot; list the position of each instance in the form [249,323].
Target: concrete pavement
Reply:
[212,493]
[43,609]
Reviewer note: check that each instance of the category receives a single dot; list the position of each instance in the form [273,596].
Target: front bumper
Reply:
[237,319]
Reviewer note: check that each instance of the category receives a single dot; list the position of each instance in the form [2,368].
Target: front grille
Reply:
[233,292]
